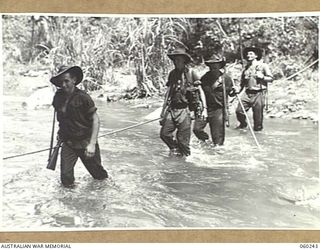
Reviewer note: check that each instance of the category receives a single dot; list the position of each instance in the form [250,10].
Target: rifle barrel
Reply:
[225,104]
[52,133]
[52,162]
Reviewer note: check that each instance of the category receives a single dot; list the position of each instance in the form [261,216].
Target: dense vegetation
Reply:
[138,45]
[130,52]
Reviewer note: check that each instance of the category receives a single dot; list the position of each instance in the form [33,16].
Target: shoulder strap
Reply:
[169,92]
[189,76]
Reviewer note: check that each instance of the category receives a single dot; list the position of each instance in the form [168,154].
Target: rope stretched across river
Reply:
[109,133]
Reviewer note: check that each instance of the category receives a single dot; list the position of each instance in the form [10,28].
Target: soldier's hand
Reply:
[192,116]
[58,137]
[162,120]
[259,75]
[205,114]
[234,91]
[217,84]
[90,150]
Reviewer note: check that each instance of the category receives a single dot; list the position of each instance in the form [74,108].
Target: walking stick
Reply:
[240,102]
[249,123]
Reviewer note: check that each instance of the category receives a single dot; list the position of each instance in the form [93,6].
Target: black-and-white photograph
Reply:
[160,122]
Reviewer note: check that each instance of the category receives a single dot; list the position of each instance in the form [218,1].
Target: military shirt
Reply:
[180,81]
[214,95]
[249,78]
[75,116]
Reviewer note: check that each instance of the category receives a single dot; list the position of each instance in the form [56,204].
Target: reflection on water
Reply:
[235,186]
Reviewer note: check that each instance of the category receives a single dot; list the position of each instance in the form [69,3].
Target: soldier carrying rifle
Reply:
[217,85]
[254,80]
[78,126]
[182,83]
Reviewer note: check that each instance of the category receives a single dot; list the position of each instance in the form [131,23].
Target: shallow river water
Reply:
[236,186]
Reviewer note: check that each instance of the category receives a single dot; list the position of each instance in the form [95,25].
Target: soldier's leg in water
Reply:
[257,109]
[217,127]
[93,164]
[184,134]
[239,111]
[198,129]
[166,132]
[69,158]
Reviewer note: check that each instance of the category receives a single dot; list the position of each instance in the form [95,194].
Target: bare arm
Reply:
[204,102]
[265,74]
[95,128]
[165,103]
[268,76]
[91,148]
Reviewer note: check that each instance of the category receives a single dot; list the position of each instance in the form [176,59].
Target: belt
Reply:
[179,106]
[250,91]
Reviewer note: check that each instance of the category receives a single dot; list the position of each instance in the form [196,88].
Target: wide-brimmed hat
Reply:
[180,52]
[74,70]
[256,50]
[216,58]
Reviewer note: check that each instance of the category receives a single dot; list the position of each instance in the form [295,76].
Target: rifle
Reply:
[266,90]
[166,106]
[266,96]
[52,161]
[267,105]
[195,102]
[52,133]
[225,104]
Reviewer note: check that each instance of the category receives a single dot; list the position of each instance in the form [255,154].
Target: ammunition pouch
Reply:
[194,101]
[178,97]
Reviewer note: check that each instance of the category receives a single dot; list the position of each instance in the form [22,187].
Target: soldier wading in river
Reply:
[254,80]
[217,85]
[182,82]
[78,126]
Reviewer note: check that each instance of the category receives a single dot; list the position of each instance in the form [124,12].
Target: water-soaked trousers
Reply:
[177,119]
[256,101]
[69,157]
[217,127]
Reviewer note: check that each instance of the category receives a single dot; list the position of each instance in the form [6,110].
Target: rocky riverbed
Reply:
[294,99]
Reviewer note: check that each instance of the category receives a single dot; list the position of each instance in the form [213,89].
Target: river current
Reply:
[235,186]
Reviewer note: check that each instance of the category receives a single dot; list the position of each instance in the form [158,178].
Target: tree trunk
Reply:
[32,40]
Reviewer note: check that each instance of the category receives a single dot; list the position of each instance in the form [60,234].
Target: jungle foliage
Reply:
[138,45]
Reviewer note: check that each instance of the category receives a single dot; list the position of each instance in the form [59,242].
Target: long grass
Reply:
[140,44]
